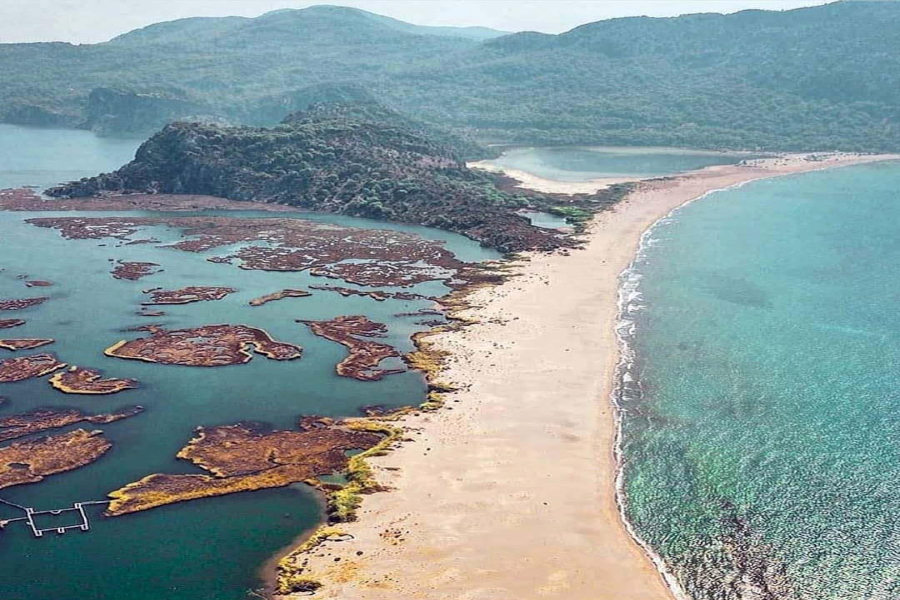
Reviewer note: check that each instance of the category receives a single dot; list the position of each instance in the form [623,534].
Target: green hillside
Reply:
[818,78]
[353,158]
[232,69]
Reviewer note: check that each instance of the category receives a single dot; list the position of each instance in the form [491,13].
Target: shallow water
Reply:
[545,220]
[578,163]
[208,549]
[762,425]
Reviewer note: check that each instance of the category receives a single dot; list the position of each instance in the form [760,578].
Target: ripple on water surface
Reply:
[763,455]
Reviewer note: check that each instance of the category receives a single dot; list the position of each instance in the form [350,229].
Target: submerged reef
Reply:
[29,461]
[279,296]
[78,380]
[365,355]
[207,346]
[187,295]
[244,457]
[28,367]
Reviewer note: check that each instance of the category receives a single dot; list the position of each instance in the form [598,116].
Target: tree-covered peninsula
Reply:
[355,158]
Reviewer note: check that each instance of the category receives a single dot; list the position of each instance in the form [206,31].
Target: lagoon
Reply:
[577,164]
[209,549]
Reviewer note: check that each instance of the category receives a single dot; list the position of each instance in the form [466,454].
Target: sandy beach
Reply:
[509,492]
[548,186]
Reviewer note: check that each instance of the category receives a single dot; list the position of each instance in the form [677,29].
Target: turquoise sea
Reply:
[210,549]
[761,399]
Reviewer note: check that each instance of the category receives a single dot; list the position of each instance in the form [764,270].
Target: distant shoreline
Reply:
[508,495]
[532,181]
[549,186]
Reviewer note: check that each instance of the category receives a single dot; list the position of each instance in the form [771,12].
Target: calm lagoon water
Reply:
[762,412]
[46,157]
[207,549]
[545,220]
[574,163]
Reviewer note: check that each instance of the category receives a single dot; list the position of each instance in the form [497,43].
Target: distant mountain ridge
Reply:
[818,78]
[204,28]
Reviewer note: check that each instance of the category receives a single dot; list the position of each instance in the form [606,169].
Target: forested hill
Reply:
[825,77]
[250,71]
[352,158]
[199,30]
[821,77]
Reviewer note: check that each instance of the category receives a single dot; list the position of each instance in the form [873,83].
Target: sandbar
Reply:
[530,181]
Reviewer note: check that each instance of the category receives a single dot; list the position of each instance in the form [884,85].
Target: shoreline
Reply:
[267,573]
[513,489]
[626,355]
[535,183]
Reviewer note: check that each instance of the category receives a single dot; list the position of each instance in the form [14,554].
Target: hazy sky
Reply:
[81,21]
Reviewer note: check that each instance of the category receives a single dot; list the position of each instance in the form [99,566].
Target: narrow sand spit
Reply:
[509,493]
[548,186]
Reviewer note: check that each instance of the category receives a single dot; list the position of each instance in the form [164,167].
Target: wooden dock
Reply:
[80,520]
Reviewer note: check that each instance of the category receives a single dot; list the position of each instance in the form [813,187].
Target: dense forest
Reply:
[821,78]
[355,158]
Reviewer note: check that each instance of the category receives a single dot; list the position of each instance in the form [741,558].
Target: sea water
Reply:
[583,163]
[209,549]
[761,400]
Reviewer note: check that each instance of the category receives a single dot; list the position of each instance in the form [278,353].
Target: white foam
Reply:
[625,328]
